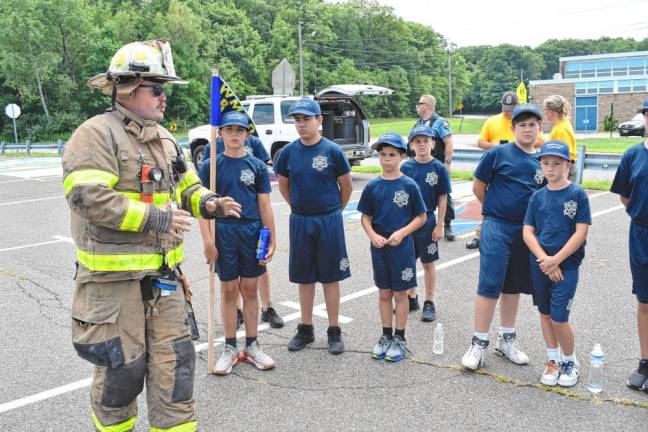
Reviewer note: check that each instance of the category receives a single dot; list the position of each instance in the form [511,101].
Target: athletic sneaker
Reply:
[551,374]
[397,349]
[449,234]
[638,380]
[474,357]
[569,372]
[270,316]
[335,343]
[506,347]
[303,337]
[413,304]
[381,347]
[473,244]
[254,355]
[239,318]
[227,360]
[429,311]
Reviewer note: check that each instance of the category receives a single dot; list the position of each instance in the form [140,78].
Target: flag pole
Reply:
[212,228]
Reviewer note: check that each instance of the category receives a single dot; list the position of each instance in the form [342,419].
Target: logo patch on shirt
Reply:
[407,274]
[432,248]
[570,209]
[344,264]
[247,177]
[248,151]
[538,177]
[432,178]
[401,198]
[320,163]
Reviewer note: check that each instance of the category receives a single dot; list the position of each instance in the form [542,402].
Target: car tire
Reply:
[197,156]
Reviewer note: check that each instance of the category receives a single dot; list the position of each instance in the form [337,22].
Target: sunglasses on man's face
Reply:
[157,89]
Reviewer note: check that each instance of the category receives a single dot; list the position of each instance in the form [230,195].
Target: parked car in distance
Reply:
[635,126]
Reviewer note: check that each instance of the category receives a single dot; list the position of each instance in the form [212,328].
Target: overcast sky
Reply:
[483,22]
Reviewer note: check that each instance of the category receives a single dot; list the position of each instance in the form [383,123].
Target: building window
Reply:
[587,69]
[606,86]
[620,67]
[638,85]
[624,86]
[603,68]
[636,66]
[581,88]
[572,70]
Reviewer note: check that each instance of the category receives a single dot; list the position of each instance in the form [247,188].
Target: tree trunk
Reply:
[42,97]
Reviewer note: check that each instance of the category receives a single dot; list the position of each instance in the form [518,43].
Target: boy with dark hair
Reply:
[392,208]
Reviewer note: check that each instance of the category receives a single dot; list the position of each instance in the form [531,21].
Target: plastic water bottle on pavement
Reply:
[437,343]
[595,379]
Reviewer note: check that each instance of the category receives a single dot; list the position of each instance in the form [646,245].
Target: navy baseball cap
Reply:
[305,106]
[645,107]
[555,148]
[391,139]
[235,118]
[527,108]
[421,130]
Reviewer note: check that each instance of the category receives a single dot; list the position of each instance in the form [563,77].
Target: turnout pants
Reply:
[135,336]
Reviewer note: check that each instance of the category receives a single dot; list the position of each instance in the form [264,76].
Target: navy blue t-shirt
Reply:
[391,204]
[242,179]
[631,181]
[512,176]
[432,178]
[253,146]
[554,214]
[313,172]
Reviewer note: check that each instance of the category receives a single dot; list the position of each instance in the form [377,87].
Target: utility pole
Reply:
[450,83]
[301,59]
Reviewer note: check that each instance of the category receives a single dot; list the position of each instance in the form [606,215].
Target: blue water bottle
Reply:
[262,244]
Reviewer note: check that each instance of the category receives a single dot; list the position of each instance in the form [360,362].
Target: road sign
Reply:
[283,79]
[12,110]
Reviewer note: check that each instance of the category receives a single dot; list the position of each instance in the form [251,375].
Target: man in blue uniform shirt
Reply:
[315,179]
[631,183]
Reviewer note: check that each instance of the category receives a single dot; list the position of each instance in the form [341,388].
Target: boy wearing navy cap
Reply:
[245,177]
[505,179]
[434,181]
[315,179]
[392,208]
[555,229]
[631,183]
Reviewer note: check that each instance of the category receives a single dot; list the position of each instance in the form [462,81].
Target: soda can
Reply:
[262,244]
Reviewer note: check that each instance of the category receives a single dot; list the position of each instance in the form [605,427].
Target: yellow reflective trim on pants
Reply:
[126,426]
[189,179]
[195,201]
[184,427]
[90,176]
[159,198]
[128,262]
[134,216]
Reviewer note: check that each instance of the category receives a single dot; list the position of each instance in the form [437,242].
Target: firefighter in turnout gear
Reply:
[132,196]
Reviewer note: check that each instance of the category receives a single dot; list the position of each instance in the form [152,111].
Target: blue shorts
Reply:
[426,249]
[503,261]
[639,261]
[394,267]
[317,249]
[554,298]
[236,243]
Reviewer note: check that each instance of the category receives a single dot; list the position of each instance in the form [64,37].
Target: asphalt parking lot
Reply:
[44,385]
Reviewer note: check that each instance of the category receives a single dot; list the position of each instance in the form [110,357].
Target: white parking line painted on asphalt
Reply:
[32,200]
[32,245]
[57,391]
[318,310]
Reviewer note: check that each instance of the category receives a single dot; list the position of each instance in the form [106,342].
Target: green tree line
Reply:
[50,48]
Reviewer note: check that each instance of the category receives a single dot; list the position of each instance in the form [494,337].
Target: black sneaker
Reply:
[449,234]
[304,336]
[429,311]
[270,316]
[335,344]
[413,304]
[638,380]
[473,244]
[239,318]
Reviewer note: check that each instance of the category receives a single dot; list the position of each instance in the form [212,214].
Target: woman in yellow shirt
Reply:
[557,111]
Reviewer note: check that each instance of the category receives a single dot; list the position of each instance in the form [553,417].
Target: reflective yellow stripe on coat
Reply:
[90,176]
[128,262]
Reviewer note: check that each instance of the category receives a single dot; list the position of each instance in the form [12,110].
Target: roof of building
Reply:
[604,56]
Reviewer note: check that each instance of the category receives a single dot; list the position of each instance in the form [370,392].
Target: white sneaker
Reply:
[506,347]
[227,360]
[253,354]
[474,357]
[569,372]
[551,374]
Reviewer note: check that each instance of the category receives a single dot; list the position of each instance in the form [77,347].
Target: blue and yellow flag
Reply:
[521,93]
[223,100]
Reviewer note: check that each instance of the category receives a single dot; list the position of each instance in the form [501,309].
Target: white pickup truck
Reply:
[344,121]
